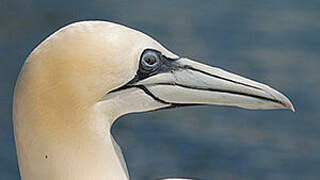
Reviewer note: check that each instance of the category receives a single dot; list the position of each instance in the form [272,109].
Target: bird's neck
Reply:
[84,149]
[60,136]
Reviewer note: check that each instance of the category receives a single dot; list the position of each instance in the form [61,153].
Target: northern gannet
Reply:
[80,79]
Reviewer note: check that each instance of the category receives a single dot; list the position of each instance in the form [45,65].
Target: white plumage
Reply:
[79,80]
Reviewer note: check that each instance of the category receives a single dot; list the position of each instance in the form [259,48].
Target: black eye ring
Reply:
[150,60]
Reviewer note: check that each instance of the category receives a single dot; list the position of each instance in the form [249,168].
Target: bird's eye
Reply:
[150,61]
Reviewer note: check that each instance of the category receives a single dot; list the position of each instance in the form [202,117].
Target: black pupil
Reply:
[151,60]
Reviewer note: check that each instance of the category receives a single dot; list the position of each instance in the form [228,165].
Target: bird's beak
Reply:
[196,83]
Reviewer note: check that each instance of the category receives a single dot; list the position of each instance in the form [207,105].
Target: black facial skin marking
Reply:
[167,65]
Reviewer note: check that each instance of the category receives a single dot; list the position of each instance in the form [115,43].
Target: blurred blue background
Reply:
[274,42]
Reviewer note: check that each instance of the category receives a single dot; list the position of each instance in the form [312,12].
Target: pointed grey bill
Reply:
[196,83]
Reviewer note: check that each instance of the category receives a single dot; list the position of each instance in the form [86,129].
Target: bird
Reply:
[80,79]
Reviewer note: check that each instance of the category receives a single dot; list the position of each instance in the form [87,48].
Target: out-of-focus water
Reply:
[275,42]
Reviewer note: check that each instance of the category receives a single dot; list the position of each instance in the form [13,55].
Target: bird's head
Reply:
[96,62]
[81,78]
